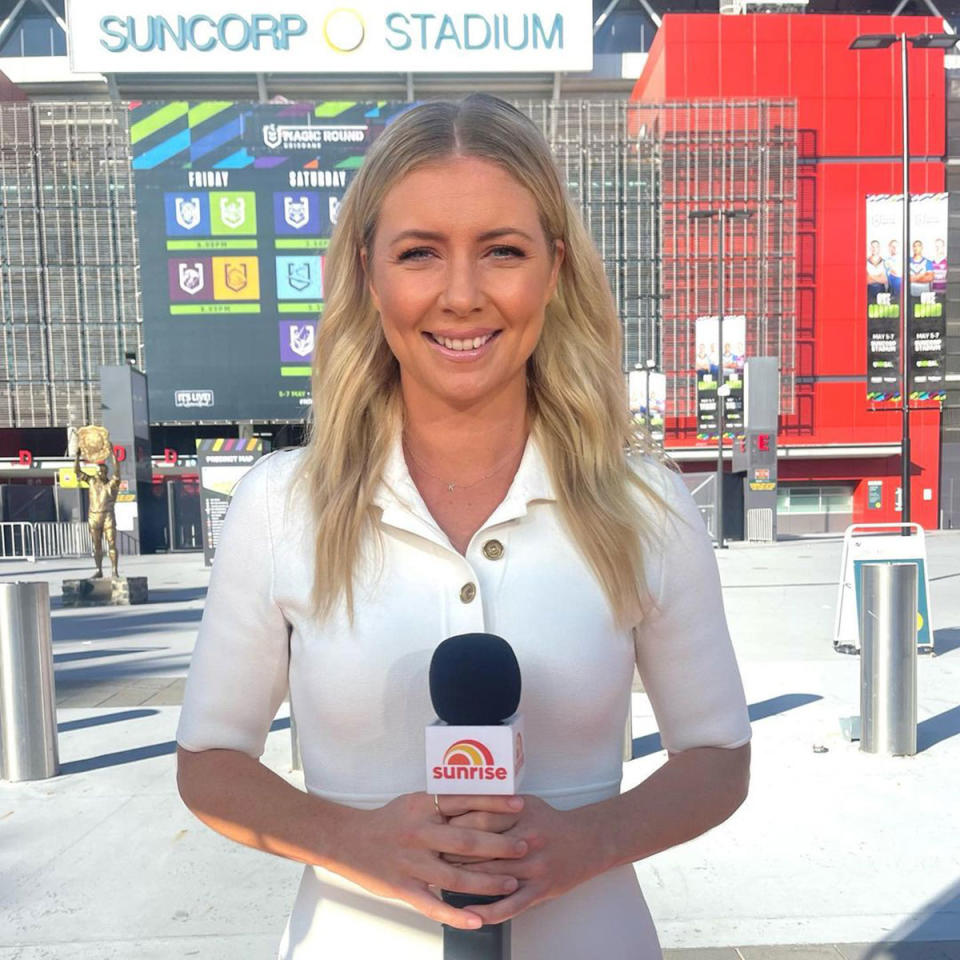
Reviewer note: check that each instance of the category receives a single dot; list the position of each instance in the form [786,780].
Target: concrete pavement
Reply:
[836,853]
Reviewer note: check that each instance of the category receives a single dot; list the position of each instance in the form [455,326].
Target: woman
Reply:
[465,472]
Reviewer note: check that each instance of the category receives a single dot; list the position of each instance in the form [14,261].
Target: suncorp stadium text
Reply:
[200,32]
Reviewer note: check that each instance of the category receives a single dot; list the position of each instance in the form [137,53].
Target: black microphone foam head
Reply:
[474,680]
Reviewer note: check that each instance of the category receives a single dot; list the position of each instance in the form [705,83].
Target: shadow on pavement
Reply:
[99,626]
[119,757]
[922,936]
[173,664]
[934,730]
[644,746]
[176,594]
[946,640]
[84,722]
[96,654]
[148,752]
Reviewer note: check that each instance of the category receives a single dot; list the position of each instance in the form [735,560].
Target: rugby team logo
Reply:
[233,211]
[299,276]
[296,211]
[469,760]
[187,212]
[271,136]
[191,277]
[302,339]
[235,276]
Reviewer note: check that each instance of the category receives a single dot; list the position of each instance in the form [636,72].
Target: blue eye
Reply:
[503,253]
[415,253]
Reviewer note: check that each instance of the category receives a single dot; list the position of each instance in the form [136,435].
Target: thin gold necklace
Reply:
[451,485]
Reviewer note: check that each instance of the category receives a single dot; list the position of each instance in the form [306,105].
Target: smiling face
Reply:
[461,272]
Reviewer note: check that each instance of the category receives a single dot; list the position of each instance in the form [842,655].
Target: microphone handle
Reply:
[490,942]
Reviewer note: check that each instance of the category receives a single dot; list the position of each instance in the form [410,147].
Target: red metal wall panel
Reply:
[848,115]
[849,100]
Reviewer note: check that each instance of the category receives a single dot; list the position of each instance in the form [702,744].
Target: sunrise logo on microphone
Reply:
[469,760]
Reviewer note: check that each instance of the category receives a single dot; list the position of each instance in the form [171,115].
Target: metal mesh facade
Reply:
[69,275]
[69,270]
[611,173]
[730,155]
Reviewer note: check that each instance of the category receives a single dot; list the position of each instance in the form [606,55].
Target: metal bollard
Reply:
[28,713]
[888,658]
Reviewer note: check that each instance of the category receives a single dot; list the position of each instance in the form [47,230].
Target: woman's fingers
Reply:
[453,805]
[446,876]
[489,822]
[508,907]
[472,843]
[435,909]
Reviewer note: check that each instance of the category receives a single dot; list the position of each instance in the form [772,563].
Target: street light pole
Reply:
[905,296]
[722,214]
[721,381]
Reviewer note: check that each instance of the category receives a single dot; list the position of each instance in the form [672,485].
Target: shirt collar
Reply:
[403,507]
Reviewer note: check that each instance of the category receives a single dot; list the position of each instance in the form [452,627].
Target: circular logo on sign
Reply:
[344,29]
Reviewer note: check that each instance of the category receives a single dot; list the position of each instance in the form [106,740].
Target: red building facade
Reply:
[849,146]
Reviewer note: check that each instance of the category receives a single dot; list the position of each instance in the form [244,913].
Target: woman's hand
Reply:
[563,851]
[400,851]
[480,820]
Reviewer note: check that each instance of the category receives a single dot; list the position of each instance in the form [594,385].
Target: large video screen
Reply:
[236,203]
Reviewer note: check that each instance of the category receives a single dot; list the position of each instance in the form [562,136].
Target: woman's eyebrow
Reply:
[437,237]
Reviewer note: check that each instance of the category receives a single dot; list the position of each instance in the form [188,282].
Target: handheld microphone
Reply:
[477,744]
[475,747]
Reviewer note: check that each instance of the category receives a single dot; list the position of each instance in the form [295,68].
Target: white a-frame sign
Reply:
[879,543]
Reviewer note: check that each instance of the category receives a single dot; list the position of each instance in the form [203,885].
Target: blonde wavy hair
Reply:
[576,395]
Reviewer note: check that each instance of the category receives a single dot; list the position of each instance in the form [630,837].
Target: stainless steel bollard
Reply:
[28,714]
[888,658]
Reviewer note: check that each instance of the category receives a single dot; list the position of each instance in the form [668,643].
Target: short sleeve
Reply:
[683,651]
[238,673]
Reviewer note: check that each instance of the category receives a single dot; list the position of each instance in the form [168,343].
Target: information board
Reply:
[222,462]
[236,203]
[879,543]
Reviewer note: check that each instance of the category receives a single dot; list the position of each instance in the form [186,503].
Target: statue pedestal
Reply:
[104,591]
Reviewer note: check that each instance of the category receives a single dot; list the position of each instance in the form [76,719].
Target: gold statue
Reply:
[103,492]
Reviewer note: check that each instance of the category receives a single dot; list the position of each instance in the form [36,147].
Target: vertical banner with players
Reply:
[710,353]
[647,393]
[927,289]
[236,203]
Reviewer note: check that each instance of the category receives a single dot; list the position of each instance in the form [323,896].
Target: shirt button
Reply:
[493,549]
[467,592]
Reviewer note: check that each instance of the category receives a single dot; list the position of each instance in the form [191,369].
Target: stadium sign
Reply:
[107,36]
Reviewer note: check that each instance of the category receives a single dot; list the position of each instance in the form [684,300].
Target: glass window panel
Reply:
[840,501]
[804,500]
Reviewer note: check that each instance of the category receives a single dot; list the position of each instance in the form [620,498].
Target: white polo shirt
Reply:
[360,692]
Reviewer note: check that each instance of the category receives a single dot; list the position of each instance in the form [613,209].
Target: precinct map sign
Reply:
[236,203]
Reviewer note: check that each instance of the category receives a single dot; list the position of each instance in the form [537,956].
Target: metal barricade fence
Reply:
[17,541]
[21,540]
[62,539]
